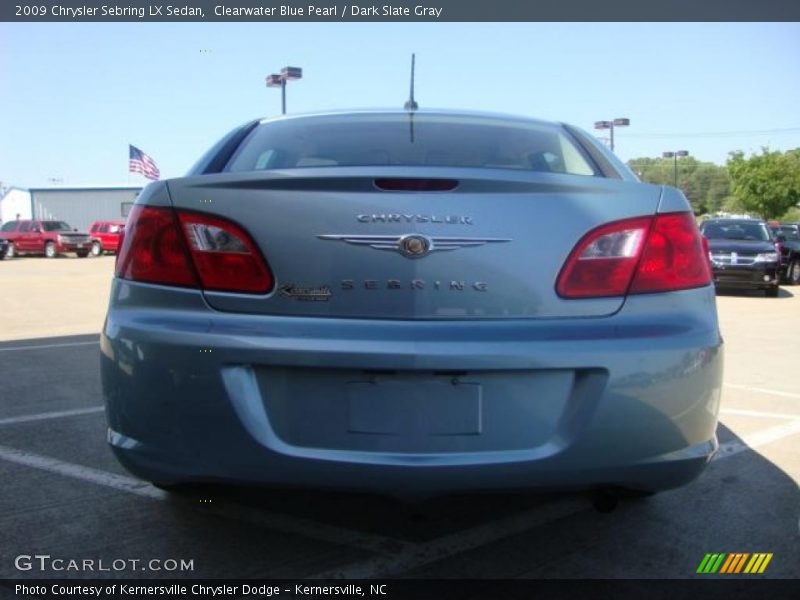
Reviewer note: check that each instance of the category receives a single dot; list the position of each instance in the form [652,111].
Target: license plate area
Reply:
[414,407]
[422,411]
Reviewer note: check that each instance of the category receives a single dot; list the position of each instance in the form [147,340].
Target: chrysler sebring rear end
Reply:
[412,303]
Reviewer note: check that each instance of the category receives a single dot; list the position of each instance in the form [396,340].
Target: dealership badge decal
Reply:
[306,294]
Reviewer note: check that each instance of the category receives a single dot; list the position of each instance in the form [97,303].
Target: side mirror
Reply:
[74,229]
[36,229]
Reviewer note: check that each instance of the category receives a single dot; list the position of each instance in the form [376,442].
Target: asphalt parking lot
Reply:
[65,496]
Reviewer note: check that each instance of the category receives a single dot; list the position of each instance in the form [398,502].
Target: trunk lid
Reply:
[341,247]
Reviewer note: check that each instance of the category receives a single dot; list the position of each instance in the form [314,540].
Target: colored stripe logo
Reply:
[735,562]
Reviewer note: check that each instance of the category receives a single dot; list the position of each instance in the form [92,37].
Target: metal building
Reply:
[15,203]
[80,206]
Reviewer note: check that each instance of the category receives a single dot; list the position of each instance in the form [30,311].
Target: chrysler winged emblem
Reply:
[412,245]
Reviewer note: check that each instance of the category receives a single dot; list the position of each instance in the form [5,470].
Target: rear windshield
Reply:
[737,231]
[56,226]
[406,140]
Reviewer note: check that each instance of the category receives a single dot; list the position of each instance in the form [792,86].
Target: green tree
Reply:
[705,184]
[733,205]
[791,216]
[767,184]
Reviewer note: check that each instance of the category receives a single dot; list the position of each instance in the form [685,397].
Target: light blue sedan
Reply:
[412,302]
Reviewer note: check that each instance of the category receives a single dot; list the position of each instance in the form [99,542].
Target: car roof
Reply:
[427,112]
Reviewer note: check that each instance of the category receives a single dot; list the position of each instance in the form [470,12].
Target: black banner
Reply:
[397,10]
[730,588]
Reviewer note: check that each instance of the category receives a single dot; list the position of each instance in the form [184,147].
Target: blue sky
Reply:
[74,95]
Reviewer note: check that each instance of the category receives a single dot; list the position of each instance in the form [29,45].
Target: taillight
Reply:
[153,249]
[190,250]
[636,256]
[225,256]
[673,257]
[706,249]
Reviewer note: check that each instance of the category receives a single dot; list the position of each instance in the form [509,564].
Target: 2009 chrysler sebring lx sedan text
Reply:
[412,303]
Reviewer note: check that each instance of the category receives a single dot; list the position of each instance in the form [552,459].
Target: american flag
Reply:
[141,163]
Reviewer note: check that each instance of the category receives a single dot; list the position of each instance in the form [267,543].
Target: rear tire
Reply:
[50,250]
[771,292]
[83,254]
[793,272]
[97,250]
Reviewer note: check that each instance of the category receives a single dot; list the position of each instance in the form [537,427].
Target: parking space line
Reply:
[759,390]
[46,346]
[275,521]
[419,555]
[96,476]
[441,548]
[758,438]
[51,415]
[757,413]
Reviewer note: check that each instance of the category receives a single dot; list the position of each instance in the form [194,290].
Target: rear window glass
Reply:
[403,140]
[10,226]
[737,231]
[56,226]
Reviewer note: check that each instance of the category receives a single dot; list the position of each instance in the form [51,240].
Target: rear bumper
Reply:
[629,400]
[760,276]
[73,246]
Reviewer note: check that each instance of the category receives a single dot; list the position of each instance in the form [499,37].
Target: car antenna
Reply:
[411,104]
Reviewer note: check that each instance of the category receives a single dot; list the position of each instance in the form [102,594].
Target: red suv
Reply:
[105,236]
[50,238]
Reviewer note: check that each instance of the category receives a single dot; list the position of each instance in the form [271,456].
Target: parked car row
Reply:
[105,236]
[788,236]
[52,238]
[750,253]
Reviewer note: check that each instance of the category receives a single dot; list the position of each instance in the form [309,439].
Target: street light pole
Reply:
[279,80]
[621,122]
[674,156]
